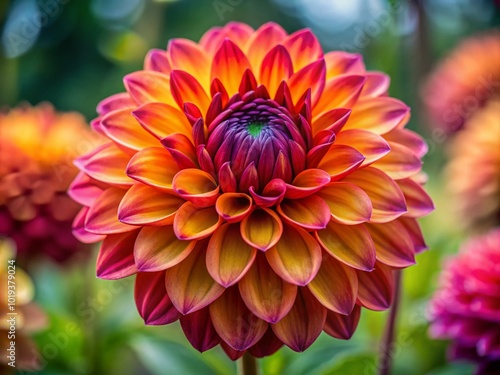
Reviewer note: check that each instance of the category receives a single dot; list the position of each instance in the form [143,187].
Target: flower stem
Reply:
[386,349]
[247,365]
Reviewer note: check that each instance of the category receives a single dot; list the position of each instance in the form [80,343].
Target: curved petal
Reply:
[340,62]
[342,326]
[148,86]
[189,285]
[162,120]
[268,344]
[296,257]
[261,229]
[157,248]
[199,330]
[377,84]
[266,294]
[340,92]
[102,217]
[261,41]
[234,323]
[276,67]
[123,128]
[79,231]
[238,32]
[153,166]
[233,207]
[107,163]
[341,161]
[379,115]
[376,288]
[388,201]
[400,163]
[185,88]
[333,120]
[233,355]
[84,189]
[152,300]
[335,286]
[116,256]
[415,233]
[144,205]
[351,245]
[371,145]
[157,60]
[303,324]
[192,222]
[196,186]
[114,102]
[348,204]
[393,244]
[306,183]
[310,77]
[229,65]
[310,212]
[408,138]
[419,203]
[273,193]
[303,47]
[228,256]
[189,56]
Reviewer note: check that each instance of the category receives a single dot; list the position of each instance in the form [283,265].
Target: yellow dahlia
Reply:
[37,147]
[464,82]
[473,172]
[261,190]
[20,316]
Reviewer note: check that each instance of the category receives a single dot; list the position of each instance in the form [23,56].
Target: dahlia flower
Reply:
[261,190]
[464,81]
[473,173]
[37,148]
[465,307]
[28,316]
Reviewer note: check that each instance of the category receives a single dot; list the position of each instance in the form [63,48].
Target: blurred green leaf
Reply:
[353,364]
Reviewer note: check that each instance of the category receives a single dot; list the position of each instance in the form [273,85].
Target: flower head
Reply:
[37,147]
[28,316]
[474,169]
[465,308]
[467,79]
[261,190]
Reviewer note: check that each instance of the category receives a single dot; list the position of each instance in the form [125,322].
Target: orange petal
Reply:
[376,84]
[415,233]
[238,32]
[379,115]
[303,47]
[262,41]
[189,56]
[157,248]
[276,67]
[107,163]
[333,120]
[102,217]
[189,285]
[348,203]
[339,62]
[342,326]
[196,186]
[303,324]
[153,166]
[340,92]
[306,183]
[233,207]
[234,323]
[228,256]
[388,201]
[335,286]
[409,139]
[400,163]
[185,88]
[228,65]
[261,229]
[351,244]
[371,145]
[192,222]
[296,257]
[116,256]
[310,77]
[114,102]
[419,203]
[340,161]
[123,128]
[144,205]
[266,294]
[148,86]
[376,288]
[393,244]
[310,212]
[162,120]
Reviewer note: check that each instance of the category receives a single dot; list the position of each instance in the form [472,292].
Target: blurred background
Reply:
[75,53]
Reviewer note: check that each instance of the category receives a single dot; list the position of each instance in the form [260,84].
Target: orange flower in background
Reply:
[261,190]
[473,173]
[28,316]
[37,146]
[464,81]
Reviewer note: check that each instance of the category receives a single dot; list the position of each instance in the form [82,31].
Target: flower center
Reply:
[254,128]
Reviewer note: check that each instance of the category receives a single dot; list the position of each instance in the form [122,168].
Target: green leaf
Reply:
[349,364]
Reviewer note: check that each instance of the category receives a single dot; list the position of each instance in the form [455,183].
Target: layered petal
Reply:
[342,326]
[261,229]
[199,330]
[116,256]
[102,217]
[192,223]
[376,288]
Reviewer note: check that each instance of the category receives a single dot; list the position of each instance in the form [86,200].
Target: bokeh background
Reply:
[74,53]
